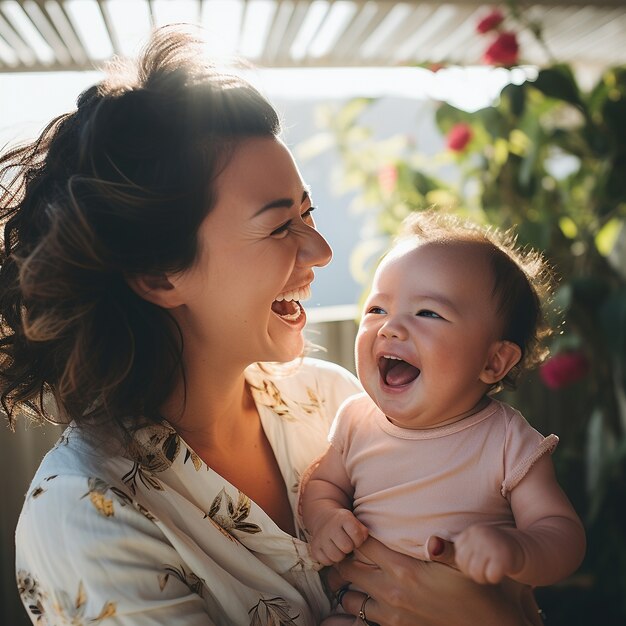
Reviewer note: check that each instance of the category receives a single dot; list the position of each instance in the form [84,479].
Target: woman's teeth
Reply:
[287,304]
[304,293]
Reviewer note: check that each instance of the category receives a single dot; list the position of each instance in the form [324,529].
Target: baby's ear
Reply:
[503,356]
[155,288]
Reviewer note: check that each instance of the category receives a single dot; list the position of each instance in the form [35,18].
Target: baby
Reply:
[454,315]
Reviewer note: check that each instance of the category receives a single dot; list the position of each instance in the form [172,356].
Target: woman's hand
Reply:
[408,592]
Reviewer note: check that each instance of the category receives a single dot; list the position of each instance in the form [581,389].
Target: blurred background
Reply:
[511,113]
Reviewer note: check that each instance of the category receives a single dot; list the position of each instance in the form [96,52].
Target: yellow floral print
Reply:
[72,612]
[69,612]
[97,490]
[267,393]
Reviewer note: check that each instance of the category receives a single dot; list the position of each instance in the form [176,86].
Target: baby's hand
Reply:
[338,535]
[487,553]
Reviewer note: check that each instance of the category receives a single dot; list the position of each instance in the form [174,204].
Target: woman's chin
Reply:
[287,341]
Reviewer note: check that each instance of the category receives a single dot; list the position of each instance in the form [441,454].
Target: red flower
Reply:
[490,22]
[459,136]
[564,369]
[503,51]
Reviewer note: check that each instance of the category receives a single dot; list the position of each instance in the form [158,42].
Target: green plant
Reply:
[549,160]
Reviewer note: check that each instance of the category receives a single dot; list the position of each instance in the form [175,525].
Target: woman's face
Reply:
[257,250]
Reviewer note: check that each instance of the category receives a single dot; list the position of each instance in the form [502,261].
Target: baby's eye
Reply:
[428,313]
[376,310]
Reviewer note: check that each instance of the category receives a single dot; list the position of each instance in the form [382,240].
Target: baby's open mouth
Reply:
[395,372]
[287,304]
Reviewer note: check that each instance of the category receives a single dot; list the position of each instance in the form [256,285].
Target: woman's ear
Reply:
[503,356]
[155,288]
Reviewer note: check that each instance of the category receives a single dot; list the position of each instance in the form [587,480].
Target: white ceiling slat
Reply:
[354,34]
[381,11]
[20,21]
[86,19]
[282,15]
[66,31]
[108,24]
[585,42]
[298,16]
[419,15]
[318,10]
[569,21]
[37,14]
[8,57]
[386,30]
[22,50]
[40,35]
[131,23]
[257,19]
[337,21]
[415,45]
[461,24]
[459,39]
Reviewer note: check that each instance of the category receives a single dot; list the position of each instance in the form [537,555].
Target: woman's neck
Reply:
[210,408]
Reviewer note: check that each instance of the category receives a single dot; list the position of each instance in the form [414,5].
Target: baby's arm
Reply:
[547,544]
[325,503]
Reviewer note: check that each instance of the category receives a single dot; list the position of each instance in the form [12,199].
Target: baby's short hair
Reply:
[523,281]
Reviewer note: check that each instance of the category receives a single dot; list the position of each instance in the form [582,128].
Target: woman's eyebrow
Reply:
[281,203]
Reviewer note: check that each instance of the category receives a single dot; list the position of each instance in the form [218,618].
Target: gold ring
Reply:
[362,610]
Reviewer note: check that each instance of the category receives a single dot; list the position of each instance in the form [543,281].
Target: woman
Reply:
[158,243]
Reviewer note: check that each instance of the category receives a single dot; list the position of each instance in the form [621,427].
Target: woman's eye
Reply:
[376,310]
[306,216]
[282,230]
[428,313]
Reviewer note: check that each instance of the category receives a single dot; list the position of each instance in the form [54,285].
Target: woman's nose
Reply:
[314,249]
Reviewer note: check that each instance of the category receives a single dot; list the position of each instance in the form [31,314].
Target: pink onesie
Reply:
[410,484]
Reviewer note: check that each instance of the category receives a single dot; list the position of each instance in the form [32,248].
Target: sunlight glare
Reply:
[222,21]
[131,20]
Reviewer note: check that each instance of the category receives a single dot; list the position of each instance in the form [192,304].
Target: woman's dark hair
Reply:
[116,189]
[523,282]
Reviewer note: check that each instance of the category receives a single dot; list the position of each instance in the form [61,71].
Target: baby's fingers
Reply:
[356,532]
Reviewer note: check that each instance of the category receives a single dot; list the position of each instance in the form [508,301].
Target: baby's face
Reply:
[428,333]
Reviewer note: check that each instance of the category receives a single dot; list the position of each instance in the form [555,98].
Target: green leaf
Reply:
[514,97]
[568,227]
[315,145]
[350,112]
[599,445]
[607,236]
[558,82]
[615,187]
[447,116]
[614,114]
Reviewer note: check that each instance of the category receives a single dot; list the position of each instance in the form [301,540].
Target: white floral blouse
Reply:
[149,534]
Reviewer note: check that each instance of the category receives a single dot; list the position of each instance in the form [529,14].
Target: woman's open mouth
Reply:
[395,372]
[287,304]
